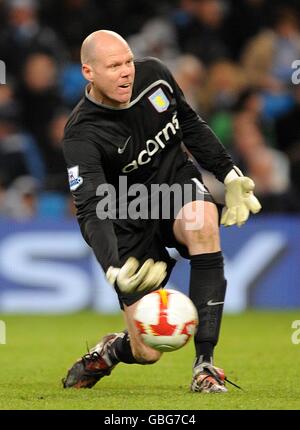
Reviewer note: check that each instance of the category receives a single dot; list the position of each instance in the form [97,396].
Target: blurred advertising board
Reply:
[45,266]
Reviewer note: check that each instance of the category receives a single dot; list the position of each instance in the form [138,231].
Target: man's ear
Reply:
[87,72]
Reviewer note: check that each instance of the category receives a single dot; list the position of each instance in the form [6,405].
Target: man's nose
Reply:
[125,71]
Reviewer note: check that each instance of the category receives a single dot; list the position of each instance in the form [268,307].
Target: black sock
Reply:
[207,291]
[120,350]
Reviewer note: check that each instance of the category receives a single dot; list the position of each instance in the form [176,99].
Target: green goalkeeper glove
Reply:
[131,280]
[239,198]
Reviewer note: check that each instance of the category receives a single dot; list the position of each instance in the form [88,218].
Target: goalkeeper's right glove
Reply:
[131,280]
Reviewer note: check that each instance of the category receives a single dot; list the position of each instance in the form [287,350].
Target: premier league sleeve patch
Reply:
[74,179]
[159,100]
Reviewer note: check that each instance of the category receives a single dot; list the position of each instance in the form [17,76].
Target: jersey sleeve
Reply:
[198,137]
[86,174]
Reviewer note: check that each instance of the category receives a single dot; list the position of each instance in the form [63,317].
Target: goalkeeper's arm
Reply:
[129,277]
[98,232]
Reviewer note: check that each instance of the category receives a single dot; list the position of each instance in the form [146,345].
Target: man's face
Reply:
[112,75]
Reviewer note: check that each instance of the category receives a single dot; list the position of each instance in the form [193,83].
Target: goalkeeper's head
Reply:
[107,63]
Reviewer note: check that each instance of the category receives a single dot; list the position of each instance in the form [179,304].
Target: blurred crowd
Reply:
[232,58]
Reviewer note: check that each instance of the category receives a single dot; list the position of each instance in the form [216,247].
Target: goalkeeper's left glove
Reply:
[239,198]
[131,280]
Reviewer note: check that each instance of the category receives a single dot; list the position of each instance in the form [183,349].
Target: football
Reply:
[166,319]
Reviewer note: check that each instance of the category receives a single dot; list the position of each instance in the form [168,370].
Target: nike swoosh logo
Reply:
[211,303]
[121,150]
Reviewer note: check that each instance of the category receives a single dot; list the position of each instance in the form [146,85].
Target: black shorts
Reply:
[149,238]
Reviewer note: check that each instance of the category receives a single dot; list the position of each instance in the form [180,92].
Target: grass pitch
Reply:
[255,349]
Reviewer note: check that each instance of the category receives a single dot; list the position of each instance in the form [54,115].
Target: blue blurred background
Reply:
[233,60]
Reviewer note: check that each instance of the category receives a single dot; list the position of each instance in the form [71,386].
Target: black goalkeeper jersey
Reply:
[141,142]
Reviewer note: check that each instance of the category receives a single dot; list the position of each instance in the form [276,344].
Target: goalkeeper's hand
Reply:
[239,198]
[131,280]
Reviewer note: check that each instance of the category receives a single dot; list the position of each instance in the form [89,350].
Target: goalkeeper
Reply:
[133,123]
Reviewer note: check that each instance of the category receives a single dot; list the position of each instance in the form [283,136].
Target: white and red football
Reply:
[166,319]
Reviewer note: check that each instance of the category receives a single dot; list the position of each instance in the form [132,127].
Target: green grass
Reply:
[255,349]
